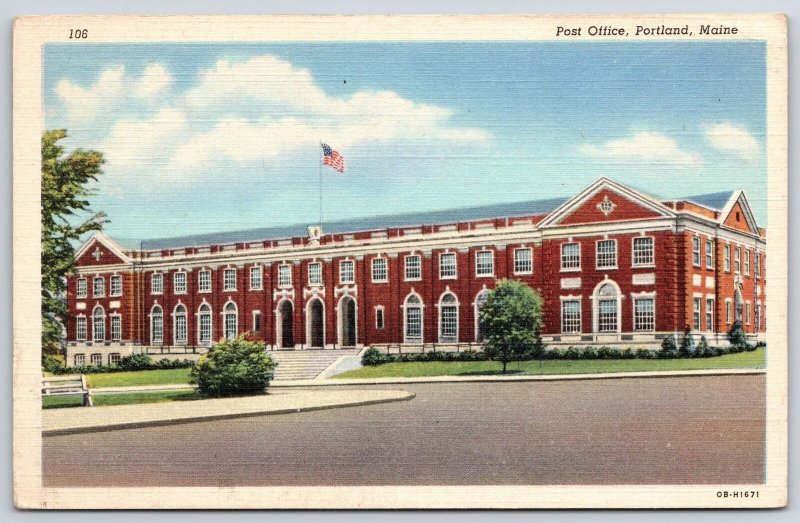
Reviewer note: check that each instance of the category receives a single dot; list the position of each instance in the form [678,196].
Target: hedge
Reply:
[128,363]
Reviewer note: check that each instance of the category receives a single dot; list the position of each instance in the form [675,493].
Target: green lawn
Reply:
[58,402]
[139,377]
[754,359]
[128,398]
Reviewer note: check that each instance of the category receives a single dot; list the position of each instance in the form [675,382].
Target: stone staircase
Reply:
[306,364]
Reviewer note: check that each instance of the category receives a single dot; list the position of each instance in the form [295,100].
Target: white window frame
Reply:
[728,311]
[102,329]
[579,301]
[726,257]
[710,254]
[81,288]
[597,254]
[482,272]
[79,359]
[175,315]
[697,313]
[748,306]
[385,263]
[696,258]
[709,316]
[747,262]
[81,328]
[114,358]
[210,315]
[115,286]
[421,307]
[225,313]
[257,314]
[315,269]
[651,297]
[596,304]
[96,359]
[116,327]
[177,286]
[102,290]
[257,283]
[344,277]
[156,340]
[757,264]
[380,313]
[518,263]
[200,281]
[418,268]
[226,282]
[156,283]
[440,306]
[737,260]
[284,276]
[442,266]
[652,252]
[570,268]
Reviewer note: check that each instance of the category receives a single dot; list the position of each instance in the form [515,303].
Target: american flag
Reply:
[332,158]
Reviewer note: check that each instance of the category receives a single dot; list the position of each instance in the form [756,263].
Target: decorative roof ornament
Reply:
[314,234]
[606,206]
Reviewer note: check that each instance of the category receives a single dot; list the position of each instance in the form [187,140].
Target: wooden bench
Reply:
[67,386]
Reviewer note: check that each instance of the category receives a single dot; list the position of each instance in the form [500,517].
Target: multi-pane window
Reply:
[757,265]
[747,313]
[231,321]
[256,321]
[413,319]
[484,263]
[80,291]
[727,257]
[448,314]
[229,280]
[644,314]
[728,311]
[80,360]
[607,316]
[379,318]
[347,271]
[99,287]
[80,328]
[696,313]
[709,254]
[709,314]
[157,283]
[204,281]
[570,256]
[284,276]
[737,262]
[570,316]
[180,325]
[114,358]
[204,336]
[99,325]
[116,328]
[747,262]
[607,254]
[380,271]
[643,252]
[315,273]
[179,282]
[413,268]
[523,261]
[696,251]
[116,285]
[255,278]
[157,325]
[447,265]
[96,359]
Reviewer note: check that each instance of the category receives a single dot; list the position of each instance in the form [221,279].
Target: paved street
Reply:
[662,430]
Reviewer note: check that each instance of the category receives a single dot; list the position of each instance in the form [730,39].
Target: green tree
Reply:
[512,316]
[66,216]
[232,367]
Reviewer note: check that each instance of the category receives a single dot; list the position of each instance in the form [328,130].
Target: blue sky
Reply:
[203,138]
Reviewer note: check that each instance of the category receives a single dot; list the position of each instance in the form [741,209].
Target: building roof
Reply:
[714,200]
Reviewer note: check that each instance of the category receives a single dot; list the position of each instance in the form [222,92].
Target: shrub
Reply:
[703,350]
[138,361]
[233,367]
[736,335]
[668,347]
[51,364]
[372,357]
[687,349]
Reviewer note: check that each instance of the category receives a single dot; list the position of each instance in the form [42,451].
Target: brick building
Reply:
[613,265]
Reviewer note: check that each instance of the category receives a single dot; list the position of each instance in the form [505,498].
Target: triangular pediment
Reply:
[606,201]
[738,215]
[100,250]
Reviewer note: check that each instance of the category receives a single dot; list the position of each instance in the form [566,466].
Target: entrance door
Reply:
[347,310]
[287,324]
[317,336]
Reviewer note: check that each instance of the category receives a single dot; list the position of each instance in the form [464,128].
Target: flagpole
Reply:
[320,184]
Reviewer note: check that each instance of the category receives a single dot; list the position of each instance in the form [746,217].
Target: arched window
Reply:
[179,324]
[156,325]
[448,318]
[413,319]
[607,308]
[480,326]
[231,321]
[204,325]
[99,324]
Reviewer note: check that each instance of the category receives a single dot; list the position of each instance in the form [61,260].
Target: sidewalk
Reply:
[96,419]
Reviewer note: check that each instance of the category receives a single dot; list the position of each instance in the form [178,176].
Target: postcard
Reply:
[400,261]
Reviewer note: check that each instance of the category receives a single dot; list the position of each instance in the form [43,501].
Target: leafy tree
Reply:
[736,335]
[232,367]
[512,316]
[66,217]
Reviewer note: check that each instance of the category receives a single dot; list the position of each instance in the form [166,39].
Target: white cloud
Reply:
[155,80]
[85,104]
[134,143]
[733,138]
[645,147]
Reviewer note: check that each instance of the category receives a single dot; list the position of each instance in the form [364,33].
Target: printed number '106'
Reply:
[78,33]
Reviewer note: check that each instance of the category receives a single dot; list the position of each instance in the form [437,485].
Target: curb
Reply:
[215,417]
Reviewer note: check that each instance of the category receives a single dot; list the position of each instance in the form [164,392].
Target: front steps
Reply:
[306,364]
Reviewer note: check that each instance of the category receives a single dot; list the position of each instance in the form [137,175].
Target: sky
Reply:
[214,137]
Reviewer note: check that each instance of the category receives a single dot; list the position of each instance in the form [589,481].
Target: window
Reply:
[448,319]
[229,280]
[728,311]
[347,271]
[480,327]
[570,316]
[180,325]
[284,276]
[697,302]
[607,254]
[179,282]
[256,321]
[484,263]
[99,287]
[737,263]
[644,314]
[204,325]
[413,329]
[116,286]
[757,264]
[80,360]
[727,257]
[114,358]
[380,271]
[523,261]
[315,273]
[204,281]
[80,291]
[747,262]
[116,328]
[99,324]
[709,254]
[231,321]
[607,320]
[379,318]
[643,252]
[696,251]
[413,268]
[255,278]
[447,266]
[157,325]
[758,317]
[709,314]
[157,283]
[747,313]
[570,256]
[96,359]
[80,328]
